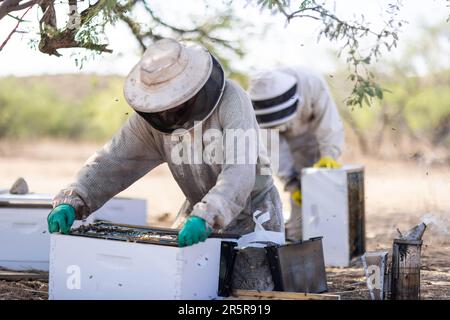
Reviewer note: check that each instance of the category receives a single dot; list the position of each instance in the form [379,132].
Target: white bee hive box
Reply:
[92,268]
[333,207]
[24,237]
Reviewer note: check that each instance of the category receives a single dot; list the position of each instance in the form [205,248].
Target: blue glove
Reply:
[194,230]
[61,219]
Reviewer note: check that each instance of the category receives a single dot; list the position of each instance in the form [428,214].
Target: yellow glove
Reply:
[297,197]
[327,162]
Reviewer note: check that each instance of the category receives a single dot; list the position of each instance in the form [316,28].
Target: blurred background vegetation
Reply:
[412,119]
[62,106]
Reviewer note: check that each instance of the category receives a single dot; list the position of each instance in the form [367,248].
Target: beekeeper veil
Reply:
[175,85]
[275,98]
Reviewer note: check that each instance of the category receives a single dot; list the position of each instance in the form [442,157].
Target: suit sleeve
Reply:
[128,156]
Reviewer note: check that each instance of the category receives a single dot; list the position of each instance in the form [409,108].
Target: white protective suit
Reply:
[315,132]
[225,195]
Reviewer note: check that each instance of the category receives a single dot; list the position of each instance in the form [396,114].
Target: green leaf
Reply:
[379,93]
[366,60]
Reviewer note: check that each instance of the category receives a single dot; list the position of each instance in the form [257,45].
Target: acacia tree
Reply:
[86,22]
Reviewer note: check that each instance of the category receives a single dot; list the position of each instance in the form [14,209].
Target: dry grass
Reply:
[23,290]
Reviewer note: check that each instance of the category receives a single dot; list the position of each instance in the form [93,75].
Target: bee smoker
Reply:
[405,268]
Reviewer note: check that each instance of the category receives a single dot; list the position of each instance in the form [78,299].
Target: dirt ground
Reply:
[399,194]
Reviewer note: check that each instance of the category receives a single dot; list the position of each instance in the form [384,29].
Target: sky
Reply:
[294,43]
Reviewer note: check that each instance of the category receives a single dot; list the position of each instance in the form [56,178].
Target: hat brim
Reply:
[282,82]
[169,94]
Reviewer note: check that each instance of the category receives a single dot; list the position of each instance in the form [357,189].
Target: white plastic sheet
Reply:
[260,237]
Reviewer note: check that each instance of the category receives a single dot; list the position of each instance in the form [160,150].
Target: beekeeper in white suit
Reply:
[298,102]
[175,90]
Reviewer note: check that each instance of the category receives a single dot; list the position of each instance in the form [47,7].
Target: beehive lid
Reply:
[346,168]
[31,200]
[29,197]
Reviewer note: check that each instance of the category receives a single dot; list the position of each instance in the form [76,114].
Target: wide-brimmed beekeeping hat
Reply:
[274,97]
[168,74]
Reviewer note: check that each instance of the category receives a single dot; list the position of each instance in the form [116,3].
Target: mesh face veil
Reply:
[277,111]
[197,108]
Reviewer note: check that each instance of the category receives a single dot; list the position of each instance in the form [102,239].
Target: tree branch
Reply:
[8,6]
[14,30]
[53,39]
[86,32]
[334,29]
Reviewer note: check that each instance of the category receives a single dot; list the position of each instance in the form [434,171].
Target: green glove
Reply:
[61,219]
[194,230]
